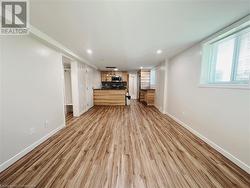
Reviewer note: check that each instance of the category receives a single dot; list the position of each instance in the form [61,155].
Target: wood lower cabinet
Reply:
[109,96]
[147,96]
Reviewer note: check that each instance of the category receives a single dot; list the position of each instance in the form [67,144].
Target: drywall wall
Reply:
[32,95]
[160,86]
[67,87]
[93,80]
[220,115]
[84,79]
[96,79]
[133,86]
[1,89]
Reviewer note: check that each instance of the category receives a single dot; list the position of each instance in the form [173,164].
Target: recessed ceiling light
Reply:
[141,67]
[116,69]
[89,51]
[159,51]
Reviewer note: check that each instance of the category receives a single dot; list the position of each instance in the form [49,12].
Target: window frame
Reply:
[209,53]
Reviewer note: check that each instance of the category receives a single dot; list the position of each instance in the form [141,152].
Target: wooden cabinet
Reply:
[109,97]
[144,79]
[147,96]
[146,93]
[106,76]
[125,76]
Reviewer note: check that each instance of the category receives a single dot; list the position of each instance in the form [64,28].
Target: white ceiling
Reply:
[127,34]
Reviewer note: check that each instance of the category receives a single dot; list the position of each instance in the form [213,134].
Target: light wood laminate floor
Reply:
[124,147]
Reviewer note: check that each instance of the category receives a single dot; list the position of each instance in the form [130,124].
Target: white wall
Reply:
[96,79]
[32,94]
[93,80]
[67,87]
[133,86]
[161,86]
[1,89]
[220,115]
[84,79]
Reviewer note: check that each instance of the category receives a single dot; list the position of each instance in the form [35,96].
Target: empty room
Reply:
[125,93]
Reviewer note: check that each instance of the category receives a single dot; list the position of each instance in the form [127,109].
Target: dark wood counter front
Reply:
[109,96]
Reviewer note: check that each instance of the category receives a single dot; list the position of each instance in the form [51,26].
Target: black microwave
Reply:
[116,79]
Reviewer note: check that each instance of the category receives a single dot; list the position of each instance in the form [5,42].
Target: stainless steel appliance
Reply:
[116,79]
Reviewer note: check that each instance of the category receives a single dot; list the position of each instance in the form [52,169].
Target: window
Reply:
[226,59]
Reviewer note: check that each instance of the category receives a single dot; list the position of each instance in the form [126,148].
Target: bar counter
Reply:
[109,96]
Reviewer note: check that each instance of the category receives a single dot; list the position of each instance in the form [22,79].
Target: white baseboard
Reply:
[15,158]
[213,145]
[83,111]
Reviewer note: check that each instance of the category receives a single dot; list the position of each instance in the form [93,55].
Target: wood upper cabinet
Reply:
[125,76]
[106,76]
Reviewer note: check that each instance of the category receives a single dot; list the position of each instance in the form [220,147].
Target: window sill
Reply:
[225,86]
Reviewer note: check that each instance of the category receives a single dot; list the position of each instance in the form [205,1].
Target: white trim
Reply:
[63,91]
[165,92]
[231,28]
[55,44]
[159,108]
[1,99]
[75,88]
[225,86]
[210,37]
[82,112]
[18,156]
[209,51]
[213,145]
[68,104]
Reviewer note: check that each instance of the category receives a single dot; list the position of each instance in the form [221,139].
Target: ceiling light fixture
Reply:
[141,67]
[115,69]
[89,51]
[159,51]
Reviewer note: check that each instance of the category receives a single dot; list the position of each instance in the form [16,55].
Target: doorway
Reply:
[68,99]
[133,86]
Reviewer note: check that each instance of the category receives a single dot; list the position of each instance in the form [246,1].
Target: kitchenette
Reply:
[114,88]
